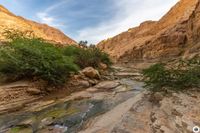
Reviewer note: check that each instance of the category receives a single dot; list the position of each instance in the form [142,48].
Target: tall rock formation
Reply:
[175,34]
[10,21]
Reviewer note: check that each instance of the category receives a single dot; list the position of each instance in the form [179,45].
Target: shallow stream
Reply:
[69,116]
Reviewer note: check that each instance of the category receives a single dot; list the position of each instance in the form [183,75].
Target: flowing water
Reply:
[69,116]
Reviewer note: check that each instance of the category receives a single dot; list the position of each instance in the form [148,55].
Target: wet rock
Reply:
[127,74]
[54,129]
[122,88]
[91,72]
[107,85]
[20,129]
[46,121]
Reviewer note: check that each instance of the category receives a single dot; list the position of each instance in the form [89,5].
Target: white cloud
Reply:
[55,6]
[129,13]
[47,18]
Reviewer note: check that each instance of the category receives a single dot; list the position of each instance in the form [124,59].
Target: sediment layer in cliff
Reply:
[176,34]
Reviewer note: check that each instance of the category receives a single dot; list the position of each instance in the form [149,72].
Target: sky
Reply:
[91,20]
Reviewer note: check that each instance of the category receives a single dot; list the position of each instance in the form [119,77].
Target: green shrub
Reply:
[185,76]
[33,58]
[27,57]
[85,57]
[156,77]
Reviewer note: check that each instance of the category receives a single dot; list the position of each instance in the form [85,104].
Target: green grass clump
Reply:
[185,76]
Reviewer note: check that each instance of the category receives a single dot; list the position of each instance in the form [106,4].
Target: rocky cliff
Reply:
[175,34]
[10,21]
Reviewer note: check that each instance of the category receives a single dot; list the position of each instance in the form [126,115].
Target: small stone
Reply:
[92,89]
[33,91]
[79,83]
[176,113]
[91,72]
[84,83]
[103,66]
[46,121]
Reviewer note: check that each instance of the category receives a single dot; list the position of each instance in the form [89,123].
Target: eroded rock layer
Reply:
[175,34]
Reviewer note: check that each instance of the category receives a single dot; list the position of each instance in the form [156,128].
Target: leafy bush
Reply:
[185,76]
[29,58]
[85,57]
[156,77]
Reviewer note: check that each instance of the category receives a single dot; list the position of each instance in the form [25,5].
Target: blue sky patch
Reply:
[92,20]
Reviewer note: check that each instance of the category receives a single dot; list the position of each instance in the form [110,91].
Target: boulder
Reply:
[80,83]
[91,72]
[83,83]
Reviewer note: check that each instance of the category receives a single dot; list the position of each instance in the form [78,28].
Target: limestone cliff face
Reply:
[10,21]
[175,34]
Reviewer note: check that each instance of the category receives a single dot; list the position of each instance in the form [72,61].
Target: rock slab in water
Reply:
[107,85]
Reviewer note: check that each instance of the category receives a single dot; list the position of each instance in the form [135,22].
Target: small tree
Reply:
[83,44]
